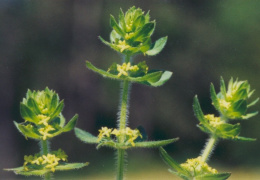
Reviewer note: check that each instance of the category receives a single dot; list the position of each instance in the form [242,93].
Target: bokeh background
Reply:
[46,43]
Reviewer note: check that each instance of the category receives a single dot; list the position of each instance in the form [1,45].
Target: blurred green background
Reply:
[46,43]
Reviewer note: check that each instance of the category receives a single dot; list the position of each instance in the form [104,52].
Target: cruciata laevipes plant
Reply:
[130,36]
[43,120]
[232,104]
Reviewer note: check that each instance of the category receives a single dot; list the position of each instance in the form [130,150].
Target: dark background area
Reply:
[46,43]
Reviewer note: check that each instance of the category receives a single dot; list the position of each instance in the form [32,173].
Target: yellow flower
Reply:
[37,161]
[122,45]
[28,159]
[214,121]
[45,131]
[223,103]
[116,132]
[51,160]
[43,119]
[104,131]
[124,68]
[197,167]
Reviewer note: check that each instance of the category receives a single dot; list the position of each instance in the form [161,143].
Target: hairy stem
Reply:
[122,124]
[209,147]
[120,164]
[123,108]
[44,151]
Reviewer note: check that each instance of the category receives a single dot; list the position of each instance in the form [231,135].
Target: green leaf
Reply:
[249,115]
[54,102]
[138,22]
[217,176]
[71,124]
[198,112]
[172,163]
[228,131]
[165,76]
[85,136]
[240,138]
[104,41]
[153,144]
[33,105]
[179,174]
[214,97]
[21,171]
[27,114]
[157,47]
[223,86]
[41,172]
[61,121]
[58,110]
[100,71]
[122,20]
[27,131]
[204,129]
[144,32]
[240,94]
[116,27]
[253,103]
[240,106]
[70,166]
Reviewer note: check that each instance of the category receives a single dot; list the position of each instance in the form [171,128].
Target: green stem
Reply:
[125,86]
[45,151]
[210,145]
[123,108]
[120,164]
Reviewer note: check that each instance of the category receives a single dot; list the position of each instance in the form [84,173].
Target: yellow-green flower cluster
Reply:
[45,131]
[214,121]
[132,33]
[128,70]
[130,134]
[125,67]
[197,167]
[232,102]
[49,161]
[42,112]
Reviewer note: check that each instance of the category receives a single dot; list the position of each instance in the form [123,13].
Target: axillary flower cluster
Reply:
[213,120]
[128,70]
[123,70]
[130,135]
[197,167]
[49,161]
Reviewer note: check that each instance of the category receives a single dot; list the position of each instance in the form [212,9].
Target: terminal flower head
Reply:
[42,112]
[132,33]
[233,102]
